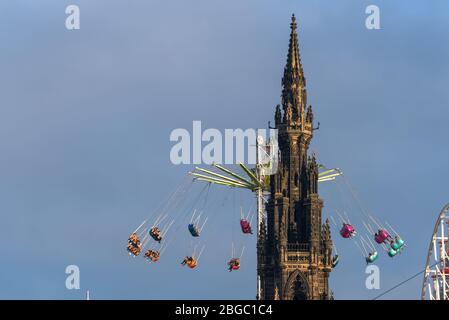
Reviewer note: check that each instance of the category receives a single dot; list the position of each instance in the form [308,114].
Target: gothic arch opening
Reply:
[297,287]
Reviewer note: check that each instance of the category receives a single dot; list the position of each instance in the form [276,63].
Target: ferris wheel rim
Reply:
[441,216]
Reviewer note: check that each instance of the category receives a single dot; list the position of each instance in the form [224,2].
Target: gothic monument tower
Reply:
[295,248]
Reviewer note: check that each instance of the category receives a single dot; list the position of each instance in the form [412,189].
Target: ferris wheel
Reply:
[436,276]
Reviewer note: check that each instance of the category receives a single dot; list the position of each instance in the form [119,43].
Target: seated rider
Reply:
[234,264]
[186,259]
[133,238]
[152,255]
[156,234]
[372,256]
[191,263]
[132,249]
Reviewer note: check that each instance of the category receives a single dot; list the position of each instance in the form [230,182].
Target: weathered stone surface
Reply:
[295,253]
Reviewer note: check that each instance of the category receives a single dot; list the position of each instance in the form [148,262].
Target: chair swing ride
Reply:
[256,180]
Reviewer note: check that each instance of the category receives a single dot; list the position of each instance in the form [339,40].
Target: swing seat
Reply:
[246,228]
[372,257]
[152,256]
[194,231]
[392,253]
[347,231]
[395,246]
[135,251]
[134,246]
[133,238]
[155,233]
[400,242]
[192,263]
[234,264]
[381,236]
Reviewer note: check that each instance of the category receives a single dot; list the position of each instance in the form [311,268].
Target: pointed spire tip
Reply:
[293,24]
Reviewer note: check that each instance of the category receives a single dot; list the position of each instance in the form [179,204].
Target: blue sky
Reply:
[85,119]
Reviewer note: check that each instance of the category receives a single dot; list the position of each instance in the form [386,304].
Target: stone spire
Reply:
[294,96]
[295,257]
[327,230]
[313,175]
